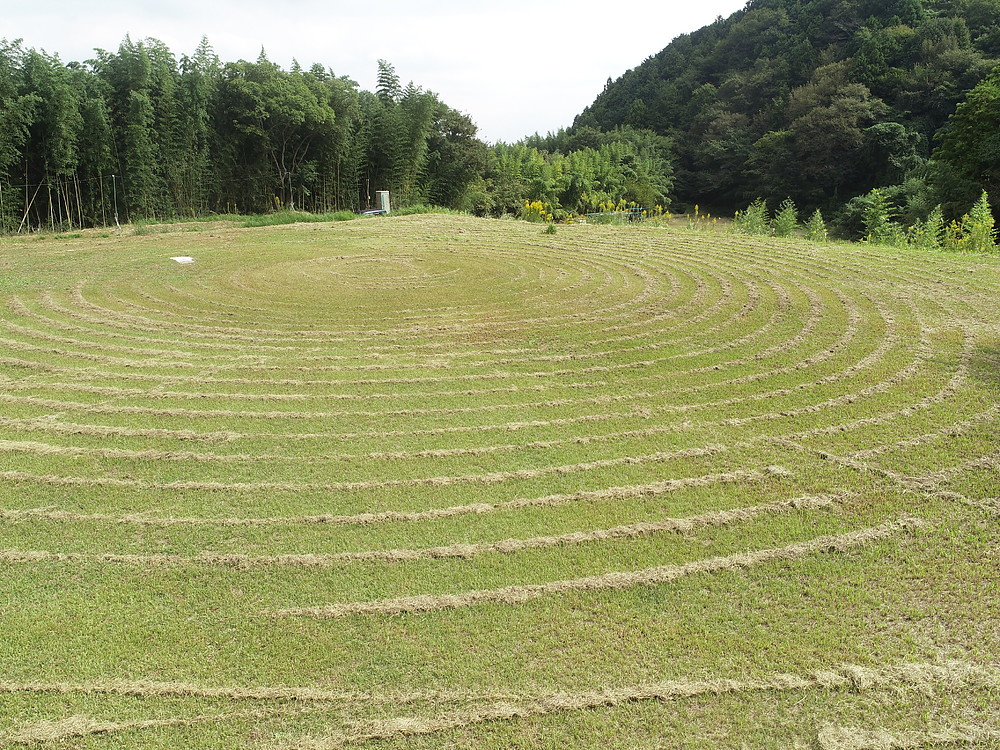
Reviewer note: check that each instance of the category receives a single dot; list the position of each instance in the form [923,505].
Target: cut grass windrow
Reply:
[465,551]
[491,421]
[262,693]
[439,481]
[362,519]
[518,594]
[916,675]
[962,735]
[59,730]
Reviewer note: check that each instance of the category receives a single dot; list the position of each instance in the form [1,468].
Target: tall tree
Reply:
[277,117]
[969,147]
[17,112]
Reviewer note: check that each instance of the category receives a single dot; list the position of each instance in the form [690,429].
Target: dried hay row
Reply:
[539,299]
[230,332]
[951,430]
[674,261]
[21,309]
[927,482]
[647,346]
[990,505]
[46,449]
[82,726]
[851,463]
[603,399]
[209,373]
[124,392]
[694,310]
[438,481]
[48,301]
[144,323]
[159,689]
[149,393]
[473,376]
[362,519]
[35,333]
[463,551]
[48,424]
[41,732]
[551,403]
[581,356]
[942,395]
[915,675]
[633,321]
[20,346]
[518,594]
[853,738]
[922,354]
[933,480]
[544,272]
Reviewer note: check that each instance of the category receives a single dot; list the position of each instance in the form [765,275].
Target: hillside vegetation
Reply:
[818,101]
[821,101]
[436,481]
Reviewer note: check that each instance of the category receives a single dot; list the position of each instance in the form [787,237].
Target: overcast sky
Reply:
[515,67]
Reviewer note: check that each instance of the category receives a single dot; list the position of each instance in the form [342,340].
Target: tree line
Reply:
[140,133]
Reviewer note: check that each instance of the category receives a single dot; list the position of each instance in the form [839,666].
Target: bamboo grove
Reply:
[140,133]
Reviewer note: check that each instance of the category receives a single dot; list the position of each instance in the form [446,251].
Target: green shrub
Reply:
[880,229]
[973,233]
[816,228]
[929,233]
[754,220]
[980,228]
[786,221]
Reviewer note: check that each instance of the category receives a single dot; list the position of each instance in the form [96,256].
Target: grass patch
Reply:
[433,481]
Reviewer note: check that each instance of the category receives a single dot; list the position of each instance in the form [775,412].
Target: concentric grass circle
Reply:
[410,458]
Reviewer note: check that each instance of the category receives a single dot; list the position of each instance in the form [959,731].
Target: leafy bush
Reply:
[975,232]
[754,220]
[787,219]
[536,211]
[979,226]
[929,233]
[880,229]
[816,227]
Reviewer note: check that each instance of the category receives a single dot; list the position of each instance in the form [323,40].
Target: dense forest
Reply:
[822,101]
[140,133]
[817,101]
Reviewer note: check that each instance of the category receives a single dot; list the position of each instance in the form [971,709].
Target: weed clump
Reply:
[815,228]
[787,219]
[754,220]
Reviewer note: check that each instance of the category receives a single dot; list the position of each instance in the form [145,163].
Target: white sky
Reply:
[516,68]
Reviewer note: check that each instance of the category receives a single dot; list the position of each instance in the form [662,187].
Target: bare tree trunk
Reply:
[28,206]
[104,213]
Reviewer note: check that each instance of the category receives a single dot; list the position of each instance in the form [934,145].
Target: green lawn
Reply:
[435,482]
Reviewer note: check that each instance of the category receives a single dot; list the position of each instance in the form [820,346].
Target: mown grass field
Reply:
[429,481]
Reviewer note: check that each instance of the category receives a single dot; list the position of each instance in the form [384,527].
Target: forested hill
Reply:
[820,100]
